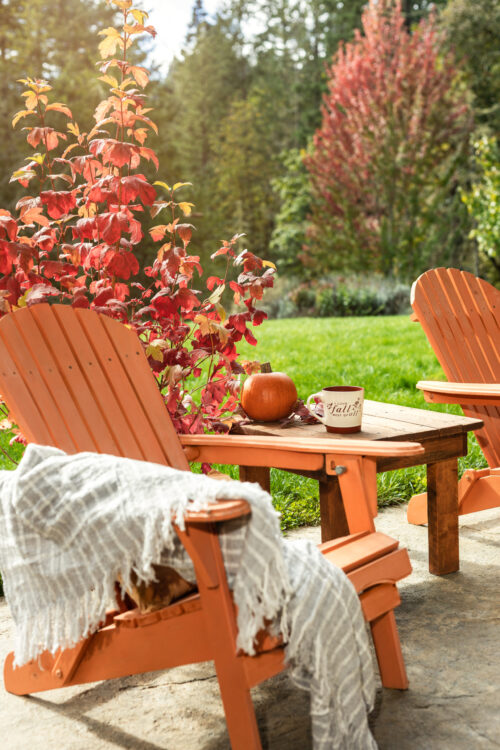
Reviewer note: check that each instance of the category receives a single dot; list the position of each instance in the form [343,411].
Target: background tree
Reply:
[473,31]
[386,162]
[293,190]
[483,203]
[274,52]
[191,104]
[46,39]
[415,10]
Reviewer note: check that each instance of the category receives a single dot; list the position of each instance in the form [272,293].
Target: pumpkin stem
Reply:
[266,367]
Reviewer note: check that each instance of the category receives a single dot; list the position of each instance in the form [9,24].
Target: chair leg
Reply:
[238,708]
[388,649]
[416,513]
[477,490]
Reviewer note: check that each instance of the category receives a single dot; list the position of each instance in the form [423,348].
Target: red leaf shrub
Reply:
[76,246]
[387,159]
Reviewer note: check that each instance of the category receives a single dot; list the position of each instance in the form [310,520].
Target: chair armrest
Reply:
[224,510]
[477,394]
[287,453]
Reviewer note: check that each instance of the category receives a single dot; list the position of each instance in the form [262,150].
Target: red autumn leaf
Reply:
[102,190]
[255,289]
[120,264]
[250,337]
[39,293]
[111,225]
[149,154]
[214,392]
[258,317]
[236,287]
[80,300]
[229,351]
[249,260]
[10,285]
[55,269]
[188,265]
[8,226]
[87,166]
[135,231]
[212,281]
[8,253]
[172,264]
[220,251]
[164,304]
[136,186]
[25,257]
[186,299]
[49,136]
[122,291]
[238,322]
[115,152]
[103,296]
[185,232]
[45,239]
[58,203]
[85,228]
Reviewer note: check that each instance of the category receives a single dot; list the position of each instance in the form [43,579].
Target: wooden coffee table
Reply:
[444,438]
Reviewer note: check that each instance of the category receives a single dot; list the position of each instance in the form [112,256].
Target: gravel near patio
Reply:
[450,630]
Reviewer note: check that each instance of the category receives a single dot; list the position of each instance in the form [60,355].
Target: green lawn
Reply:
[386,355]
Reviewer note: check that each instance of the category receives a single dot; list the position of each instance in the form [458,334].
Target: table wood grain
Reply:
[444,438]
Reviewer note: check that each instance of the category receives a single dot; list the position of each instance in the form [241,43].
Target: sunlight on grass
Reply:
[386,355]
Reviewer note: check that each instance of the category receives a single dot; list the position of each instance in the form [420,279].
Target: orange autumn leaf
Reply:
[140,74]
[158,233]
[58,107]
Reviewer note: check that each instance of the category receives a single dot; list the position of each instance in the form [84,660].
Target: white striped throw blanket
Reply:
[70,524]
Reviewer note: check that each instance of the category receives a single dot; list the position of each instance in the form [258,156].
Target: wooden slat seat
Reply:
[80,381]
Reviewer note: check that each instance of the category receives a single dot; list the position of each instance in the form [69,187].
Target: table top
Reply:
[380,422]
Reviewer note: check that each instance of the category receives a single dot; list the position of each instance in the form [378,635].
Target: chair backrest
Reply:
[80,381]
[460,315]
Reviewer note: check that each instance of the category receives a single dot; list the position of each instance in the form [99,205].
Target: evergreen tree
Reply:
[198,20]
[415,10]
[246,165]
[473,32]
[190,107]
[50,39]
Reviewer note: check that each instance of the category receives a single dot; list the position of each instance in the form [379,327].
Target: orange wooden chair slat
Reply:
[80,381]
[460,315]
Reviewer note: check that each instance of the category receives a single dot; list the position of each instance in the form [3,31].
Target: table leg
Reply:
[259,474]
[333,518]
[442,509]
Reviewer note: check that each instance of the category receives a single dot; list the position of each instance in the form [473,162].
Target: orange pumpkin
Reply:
[268,396]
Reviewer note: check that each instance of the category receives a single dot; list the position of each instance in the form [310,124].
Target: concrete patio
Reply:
[450,630]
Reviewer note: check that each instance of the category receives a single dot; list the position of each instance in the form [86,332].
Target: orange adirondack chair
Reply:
[81,382]
[460,315]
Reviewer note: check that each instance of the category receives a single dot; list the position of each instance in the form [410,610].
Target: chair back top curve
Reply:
[460,315]
[80,381]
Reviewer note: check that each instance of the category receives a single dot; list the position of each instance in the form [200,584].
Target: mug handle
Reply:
[312,410]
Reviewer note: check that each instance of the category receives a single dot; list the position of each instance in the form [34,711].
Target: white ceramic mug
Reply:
[342,405]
